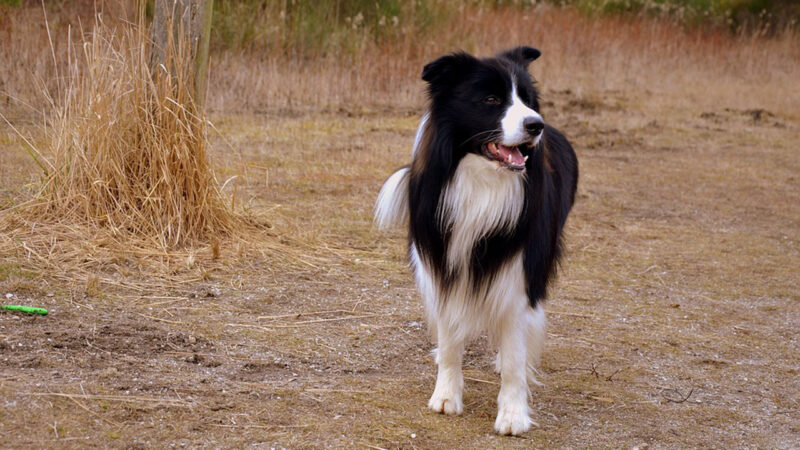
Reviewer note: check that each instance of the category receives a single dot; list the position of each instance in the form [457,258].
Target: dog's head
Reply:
[489,105]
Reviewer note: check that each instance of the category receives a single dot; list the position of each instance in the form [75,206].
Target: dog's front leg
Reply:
[513,415]
[446,396]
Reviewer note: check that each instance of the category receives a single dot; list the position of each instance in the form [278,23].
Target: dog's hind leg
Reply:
[446,396]
[536,329]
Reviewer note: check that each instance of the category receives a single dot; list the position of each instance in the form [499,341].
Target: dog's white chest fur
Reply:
[481,198]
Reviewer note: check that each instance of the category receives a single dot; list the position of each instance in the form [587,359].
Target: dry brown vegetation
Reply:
[122,156]
[673,323]
[127,148]
[581,54]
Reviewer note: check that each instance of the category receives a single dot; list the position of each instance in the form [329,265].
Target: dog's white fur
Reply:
[482,197]
[513,122]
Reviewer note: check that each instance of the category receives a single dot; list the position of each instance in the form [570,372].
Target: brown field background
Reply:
[583,54]
[673,324]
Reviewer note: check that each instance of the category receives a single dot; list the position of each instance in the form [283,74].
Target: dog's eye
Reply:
[492,100]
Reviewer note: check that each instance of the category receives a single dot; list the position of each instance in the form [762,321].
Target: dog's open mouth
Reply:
[509,157]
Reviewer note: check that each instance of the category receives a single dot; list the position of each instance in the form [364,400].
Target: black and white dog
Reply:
[485,197]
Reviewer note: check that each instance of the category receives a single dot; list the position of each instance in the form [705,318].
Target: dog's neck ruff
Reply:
[481,199]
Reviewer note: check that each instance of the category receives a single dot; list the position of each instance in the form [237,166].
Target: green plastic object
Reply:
[25,309]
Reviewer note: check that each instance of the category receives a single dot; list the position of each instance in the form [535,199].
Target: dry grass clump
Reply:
[123,155]
[127,147]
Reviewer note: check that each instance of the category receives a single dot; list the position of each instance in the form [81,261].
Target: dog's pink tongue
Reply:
[511,155]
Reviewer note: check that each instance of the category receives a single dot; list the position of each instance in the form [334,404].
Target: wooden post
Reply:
[193,19]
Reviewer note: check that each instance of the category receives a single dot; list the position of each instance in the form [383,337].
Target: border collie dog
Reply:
[485,199]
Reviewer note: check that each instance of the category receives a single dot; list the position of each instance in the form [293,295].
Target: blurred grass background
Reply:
[355,54]
[318,27]
[313,28]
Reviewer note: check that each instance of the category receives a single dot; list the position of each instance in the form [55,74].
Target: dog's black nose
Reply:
[533,125]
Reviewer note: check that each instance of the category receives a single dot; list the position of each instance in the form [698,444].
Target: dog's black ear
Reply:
[521,55]
[447,68]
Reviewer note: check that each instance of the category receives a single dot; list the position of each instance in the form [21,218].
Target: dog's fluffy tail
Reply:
[391,208]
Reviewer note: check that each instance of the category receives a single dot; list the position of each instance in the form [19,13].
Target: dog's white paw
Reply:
[446,403]
[513,419]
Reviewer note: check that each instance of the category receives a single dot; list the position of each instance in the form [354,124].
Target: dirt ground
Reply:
[673,323]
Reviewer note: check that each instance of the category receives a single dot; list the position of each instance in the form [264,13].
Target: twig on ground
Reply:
[300,314]
[306,322]
[380,327]
[174,322]
[679,394]
[564,313]
[118,398]
[608,378]
[84,407]
[594,371]
[372,446]
[345,391]
[482,381]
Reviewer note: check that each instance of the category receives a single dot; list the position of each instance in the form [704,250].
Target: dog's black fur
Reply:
[462,121]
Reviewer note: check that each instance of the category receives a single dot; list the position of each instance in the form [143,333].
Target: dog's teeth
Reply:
[526,158]
[509,158]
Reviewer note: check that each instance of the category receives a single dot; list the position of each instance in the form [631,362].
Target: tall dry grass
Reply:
[34,43]
[123,155]
[126,145]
